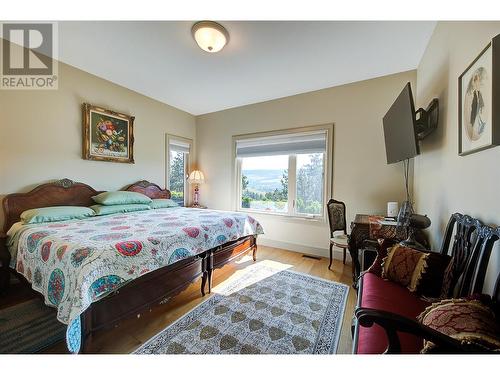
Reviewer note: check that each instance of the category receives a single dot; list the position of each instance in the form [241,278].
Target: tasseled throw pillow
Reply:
[469,321]
[420,271]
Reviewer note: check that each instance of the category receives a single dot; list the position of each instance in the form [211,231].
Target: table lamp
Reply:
[196,177]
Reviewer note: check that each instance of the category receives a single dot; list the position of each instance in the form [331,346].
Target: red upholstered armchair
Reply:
[385,319]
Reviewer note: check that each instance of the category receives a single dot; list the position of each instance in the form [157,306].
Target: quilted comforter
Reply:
[75,263]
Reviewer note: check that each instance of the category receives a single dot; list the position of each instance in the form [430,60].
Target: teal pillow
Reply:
[118,208]
[111,198]
[57,213]
[162,203]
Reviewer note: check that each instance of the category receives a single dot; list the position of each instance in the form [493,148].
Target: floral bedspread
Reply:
[75,263]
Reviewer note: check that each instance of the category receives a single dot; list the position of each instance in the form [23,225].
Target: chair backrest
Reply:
[470,250]
[336,216]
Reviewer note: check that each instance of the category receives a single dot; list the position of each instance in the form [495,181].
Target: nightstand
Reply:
[200,207]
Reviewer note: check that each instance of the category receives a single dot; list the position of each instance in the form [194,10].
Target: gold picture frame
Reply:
[107,135]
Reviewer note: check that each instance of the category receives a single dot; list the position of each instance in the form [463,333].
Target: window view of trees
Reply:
[177,176]
[309,184]
[267,188]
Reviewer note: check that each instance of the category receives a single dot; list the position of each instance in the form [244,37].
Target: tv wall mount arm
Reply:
[426,120]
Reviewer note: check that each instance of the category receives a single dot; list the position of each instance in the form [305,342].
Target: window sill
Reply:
[285,217]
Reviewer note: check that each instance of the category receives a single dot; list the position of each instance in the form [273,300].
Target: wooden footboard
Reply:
[140,295]
[222,255]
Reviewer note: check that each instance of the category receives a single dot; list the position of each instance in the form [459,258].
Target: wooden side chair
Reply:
[337,221]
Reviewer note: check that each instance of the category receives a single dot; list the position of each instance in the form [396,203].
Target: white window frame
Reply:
[187,163]
[292,171]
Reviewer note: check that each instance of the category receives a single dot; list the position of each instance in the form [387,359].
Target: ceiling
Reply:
[263,60]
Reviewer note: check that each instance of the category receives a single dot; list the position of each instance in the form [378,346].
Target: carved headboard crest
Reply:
[144,184]
[65,183]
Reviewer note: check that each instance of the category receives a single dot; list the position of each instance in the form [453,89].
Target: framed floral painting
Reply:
[479,102]
[107,135]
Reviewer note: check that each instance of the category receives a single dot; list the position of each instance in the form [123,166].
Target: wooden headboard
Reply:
[59,193]
[65,193]
[150,189]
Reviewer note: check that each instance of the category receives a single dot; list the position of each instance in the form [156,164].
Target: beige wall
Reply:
[40,134]
[444,181]
[361,176]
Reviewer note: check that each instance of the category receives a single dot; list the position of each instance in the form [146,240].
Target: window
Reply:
[178,167]
[284,173]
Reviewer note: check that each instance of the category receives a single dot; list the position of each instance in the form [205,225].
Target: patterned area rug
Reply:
[260,310]
[29,327]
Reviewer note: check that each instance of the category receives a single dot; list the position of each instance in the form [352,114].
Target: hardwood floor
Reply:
[133,332]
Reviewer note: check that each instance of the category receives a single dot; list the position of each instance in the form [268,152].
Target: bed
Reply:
[100,270]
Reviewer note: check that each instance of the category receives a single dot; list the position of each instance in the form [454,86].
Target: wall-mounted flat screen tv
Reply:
[401,140]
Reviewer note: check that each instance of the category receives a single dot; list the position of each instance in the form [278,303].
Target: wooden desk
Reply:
[368,227]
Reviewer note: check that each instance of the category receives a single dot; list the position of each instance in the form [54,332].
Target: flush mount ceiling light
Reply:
[210,36]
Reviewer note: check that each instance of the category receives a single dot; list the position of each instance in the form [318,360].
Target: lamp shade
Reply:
[196,177]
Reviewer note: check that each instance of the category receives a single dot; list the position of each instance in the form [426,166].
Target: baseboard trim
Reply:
[303,249]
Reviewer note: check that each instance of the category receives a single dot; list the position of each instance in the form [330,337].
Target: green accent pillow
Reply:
[162,203]
[118,208]
[111,198]
[56,213]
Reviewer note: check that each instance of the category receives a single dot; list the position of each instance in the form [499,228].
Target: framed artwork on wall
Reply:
[107,135]
[479,102]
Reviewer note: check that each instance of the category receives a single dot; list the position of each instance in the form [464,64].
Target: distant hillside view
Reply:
[267,189]
[264,180]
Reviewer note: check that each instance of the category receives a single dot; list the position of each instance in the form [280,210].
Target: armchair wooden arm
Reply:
[393,323]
